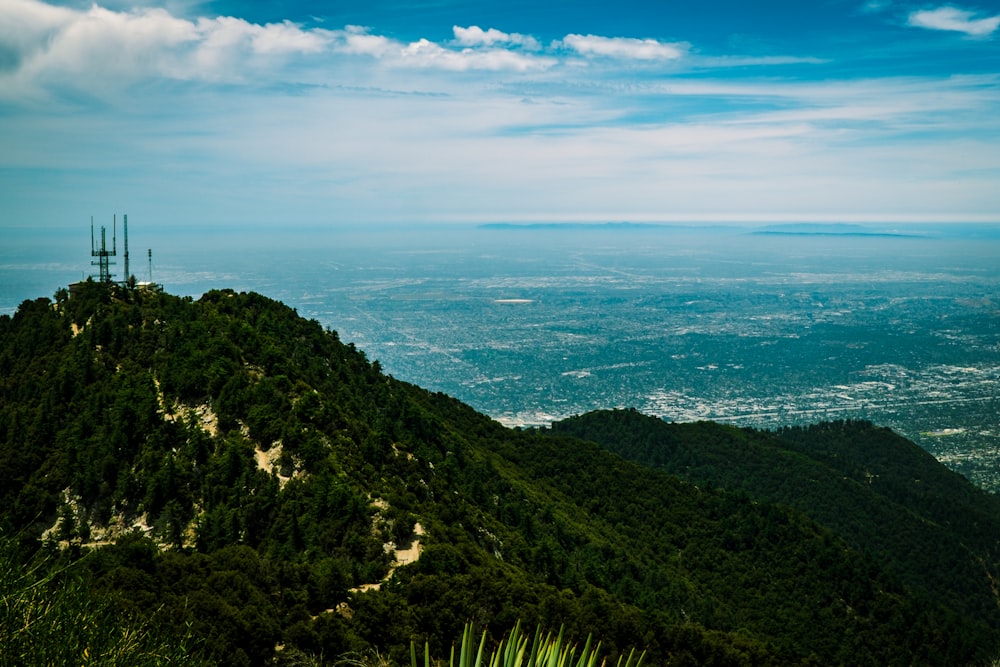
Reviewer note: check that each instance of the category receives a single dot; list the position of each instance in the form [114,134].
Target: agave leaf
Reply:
[554,649]
[513,649]
[510,650]
[629,661]
[522,647]
[465,650]
[482,647]
[588,658]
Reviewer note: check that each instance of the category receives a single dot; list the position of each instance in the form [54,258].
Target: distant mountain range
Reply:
[607,226]
[235,474]
[836,229]
[894,230]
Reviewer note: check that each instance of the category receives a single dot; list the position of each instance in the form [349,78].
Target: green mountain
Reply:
[229,473]
[887,497]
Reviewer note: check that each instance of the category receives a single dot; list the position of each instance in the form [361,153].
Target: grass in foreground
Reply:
[517,651]
[50,617]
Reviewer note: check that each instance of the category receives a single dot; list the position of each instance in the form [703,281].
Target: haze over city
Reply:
[329,131]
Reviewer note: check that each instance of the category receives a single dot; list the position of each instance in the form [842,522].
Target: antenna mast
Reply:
[103,255]
[127,274]
[103,258]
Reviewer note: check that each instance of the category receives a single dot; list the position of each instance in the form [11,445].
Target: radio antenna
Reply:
[127,274]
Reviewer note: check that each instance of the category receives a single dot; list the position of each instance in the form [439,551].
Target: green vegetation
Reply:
[925,525]
[50,617]
[515,650]
[225,471]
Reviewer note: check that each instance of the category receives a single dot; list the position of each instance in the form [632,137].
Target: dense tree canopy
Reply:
[225,468]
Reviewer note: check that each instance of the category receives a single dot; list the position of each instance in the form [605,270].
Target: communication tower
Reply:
[103,259]
[149,286]
[128,275]
[103,255]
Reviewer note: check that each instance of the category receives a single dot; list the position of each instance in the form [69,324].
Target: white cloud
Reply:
[424,53]
[623,47]
[357,41]
[480,52]
[954,19]
[99,49]
[229,48]
[25,25]
[48,51]
[285,37]
[476,36]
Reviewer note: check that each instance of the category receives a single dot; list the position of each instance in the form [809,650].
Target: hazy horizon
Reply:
[34,262]
[338,157]
[529,325]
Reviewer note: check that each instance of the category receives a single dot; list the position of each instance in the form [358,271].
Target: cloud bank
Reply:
[232,120]
[47,46]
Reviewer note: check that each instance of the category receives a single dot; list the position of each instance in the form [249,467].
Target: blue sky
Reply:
[326,113]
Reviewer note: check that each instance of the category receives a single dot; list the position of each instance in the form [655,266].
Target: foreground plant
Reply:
[516,651]
[49,617]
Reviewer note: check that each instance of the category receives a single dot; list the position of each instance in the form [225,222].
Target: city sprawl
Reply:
[753,331]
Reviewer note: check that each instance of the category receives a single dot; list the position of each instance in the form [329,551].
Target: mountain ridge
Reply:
[872,478]
[274,470]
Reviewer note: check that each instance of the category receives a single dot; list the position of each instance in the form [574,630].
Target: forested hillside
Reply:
[228,473]
[884,495]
